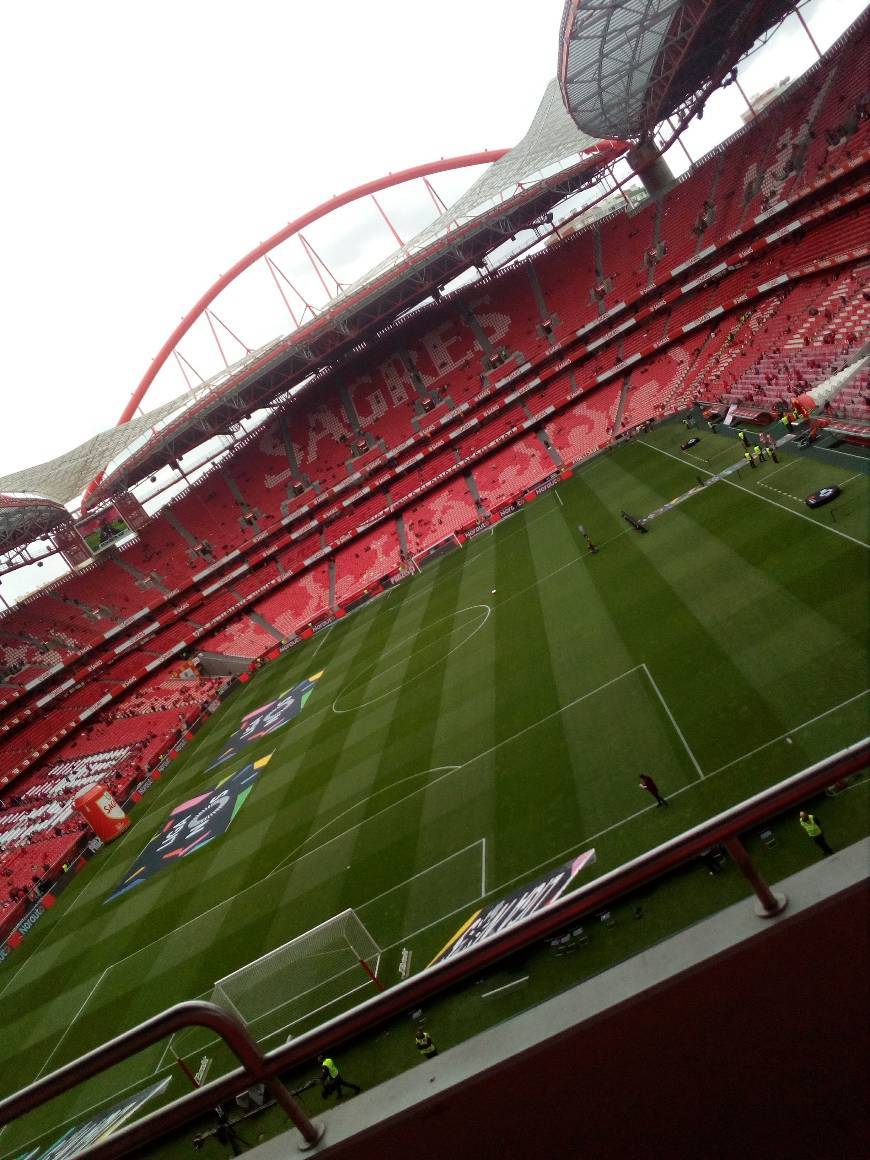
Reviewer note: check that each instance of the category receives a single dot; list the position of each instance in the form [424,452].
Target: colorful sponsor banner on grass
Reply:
[77,1141]
[193,824]
[529,899]
[267,718]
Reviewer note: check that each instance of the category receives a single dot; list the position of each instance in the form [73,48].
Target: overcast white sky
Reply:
[147,147]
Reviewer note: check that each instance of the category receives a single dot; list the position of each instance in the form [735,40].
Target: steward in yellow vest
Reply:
[812,829]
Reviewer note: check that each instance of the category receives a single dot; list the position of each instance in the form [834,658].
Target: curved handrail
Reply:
[192,1014]
[603,892]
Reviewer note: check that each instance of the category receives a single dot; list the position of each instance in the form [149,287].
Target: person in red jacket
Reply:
[647,783]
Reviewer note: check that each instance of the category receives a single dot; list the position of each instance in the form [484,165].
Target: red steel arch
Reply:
[326,207]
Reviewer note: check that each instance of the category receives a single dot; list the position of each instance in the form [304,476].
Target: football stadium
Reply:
[467,686]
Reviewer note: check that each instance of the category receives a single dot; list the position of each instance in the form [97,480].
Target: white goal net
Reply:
[304,977]
[442,547]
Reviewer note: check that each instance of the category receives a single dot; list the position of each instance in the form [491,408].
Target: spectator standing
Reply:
[647,783]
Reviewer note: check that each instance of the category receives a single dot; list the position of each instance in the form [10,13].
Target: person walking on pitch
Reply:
[331,1080]
[647,783]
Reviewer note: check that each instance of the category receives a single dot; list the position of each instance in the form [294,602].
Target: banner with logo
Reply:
[528,899]
[267,718]
[77,1140]
[192,825]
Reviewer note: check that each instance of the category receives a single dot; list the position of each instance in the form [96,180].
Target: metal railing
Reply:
[256,1067]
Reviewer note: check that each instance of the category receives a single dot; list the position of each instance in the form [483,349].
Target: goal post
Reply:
[303,976]
[435,551]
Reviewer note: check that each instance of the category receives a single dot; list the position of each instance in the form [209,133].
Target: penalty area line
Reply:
[588,839]
[673,720]
[72,1023]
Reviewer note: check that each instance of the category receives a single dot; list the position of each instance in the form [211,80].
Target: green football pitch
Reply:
[473,727]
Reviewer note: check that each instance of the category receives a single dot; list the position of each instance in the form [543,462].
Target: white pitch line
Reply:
[505,987]
[356,806]
[78,1118]
[585,841]
[672,720]
[789,732]
[420,873]
[848,454]
[69,1025]
[323,641]
[354,682]
[766,499]
[784,467]
[589,838]
[449,773]
[558,497]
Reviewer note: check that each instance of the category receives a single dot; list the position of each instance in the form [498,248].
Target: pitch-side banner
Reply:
[528,899]
[267,718]
[77,1140]
[192,824]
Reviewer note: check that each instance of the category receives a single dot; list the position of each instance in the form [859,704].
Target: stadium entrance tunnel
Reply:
[411,658]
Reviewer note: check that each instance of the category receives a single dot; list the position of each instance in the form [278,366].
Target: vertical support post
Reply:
[186,1070]
[390,225]
[807,31]
[310,256]
[767,902]
[746,99]
[215,337]
[679,138]
[371,974]
[311,1131]
[272,271]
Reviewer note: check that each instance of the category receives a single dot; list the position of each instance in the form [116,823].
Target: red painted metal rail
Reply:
[605,891]
[322,210]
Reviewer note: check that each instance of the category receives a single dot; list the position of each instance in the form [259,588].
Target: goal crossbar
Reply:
[300,967]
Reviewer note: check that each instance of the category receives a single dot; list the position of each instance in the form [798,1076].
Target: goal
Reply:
[435,551]
[314,971]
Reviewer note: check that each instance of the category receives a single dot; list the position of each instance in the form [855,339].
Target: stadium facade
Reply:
[404,418]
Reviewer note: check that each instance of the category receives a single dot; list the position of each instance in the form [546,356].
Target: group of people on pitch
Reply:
[332,1081]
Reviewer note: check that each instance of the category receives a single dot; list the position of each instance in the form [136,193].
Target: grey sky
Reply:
[147,148]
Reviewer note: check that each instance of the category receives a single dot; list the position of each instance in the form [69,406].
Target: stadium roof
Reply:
[25,517]
[626,65]
[64,478]
[552,161]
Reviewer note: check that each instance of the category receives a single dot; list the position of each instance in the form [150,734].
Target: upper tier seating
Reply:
[444,512]
[403,392]
[368,559]
[510,473]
